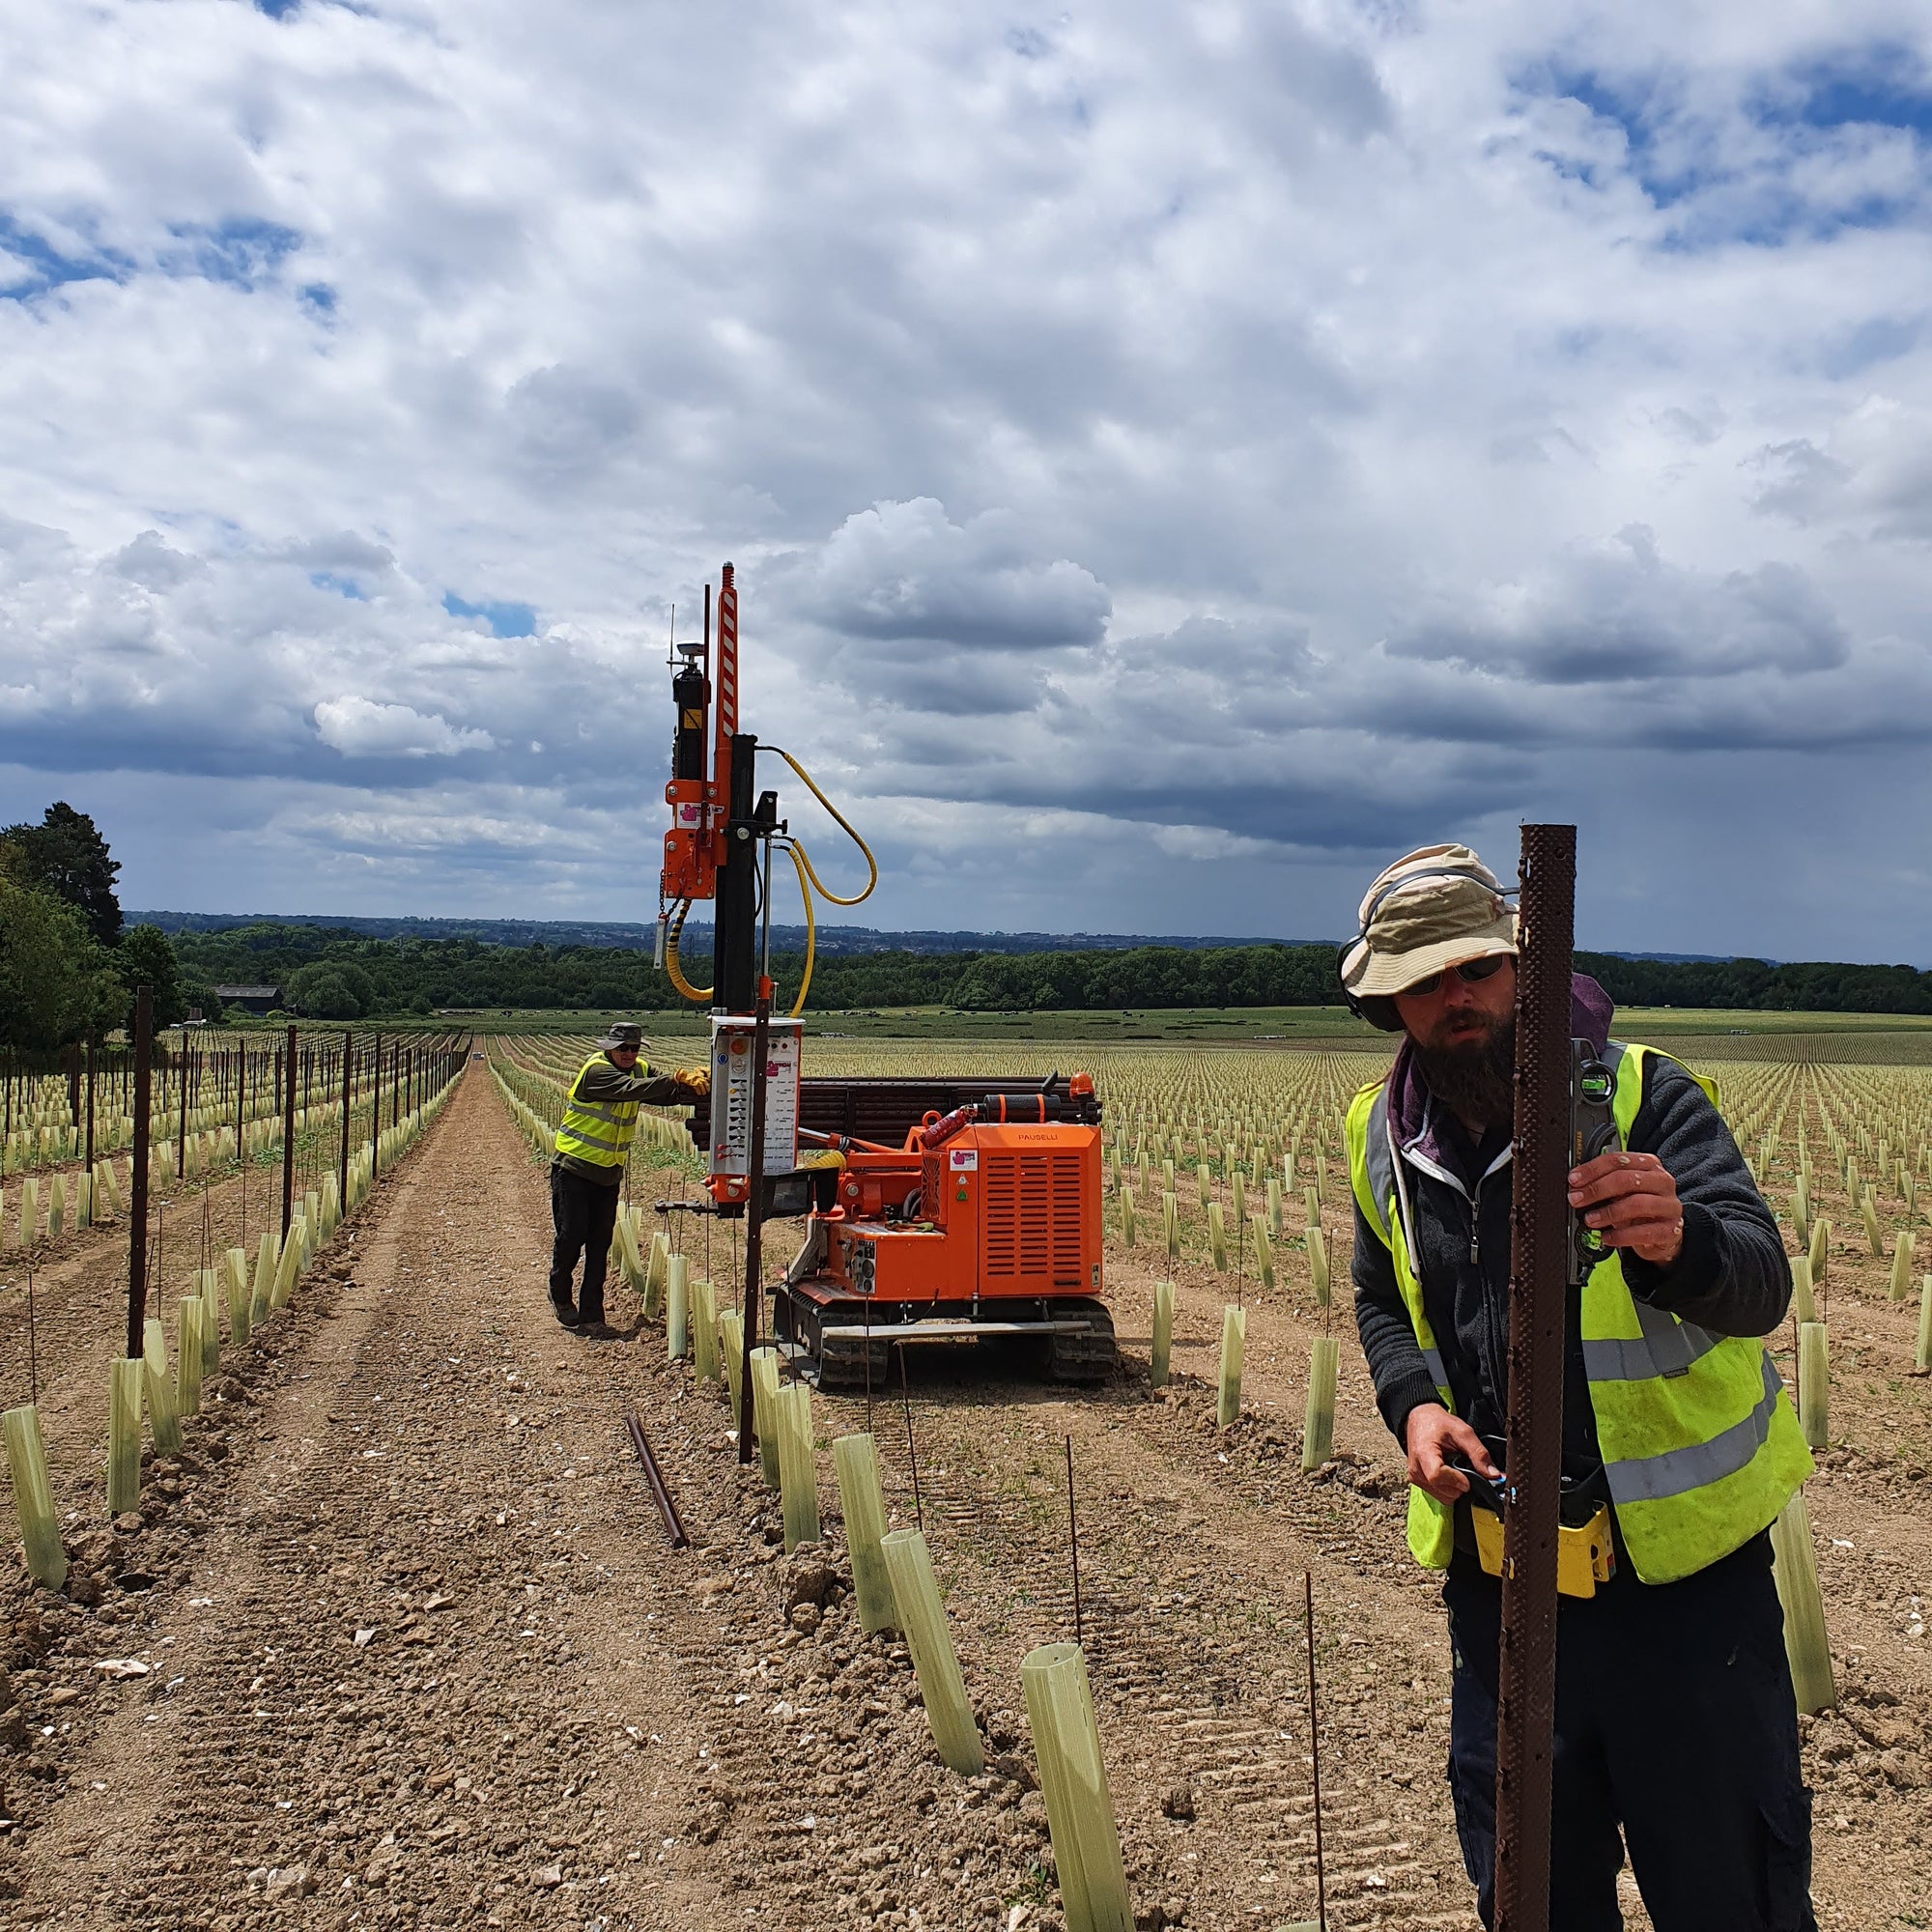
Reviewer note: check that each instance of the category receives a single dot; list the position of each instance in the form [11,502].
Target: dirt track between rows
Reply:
[417,1653]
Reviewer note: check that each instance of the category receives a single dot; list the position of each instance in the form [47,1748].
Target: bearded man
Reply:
[1676,1727]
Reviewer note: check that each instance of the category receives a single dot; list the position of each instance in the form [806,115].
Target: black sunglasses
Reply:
[1470,972]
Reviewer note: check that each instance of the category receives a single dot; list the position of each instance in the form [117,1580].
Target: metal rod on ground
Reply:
[1315,1757]
[754,1212]
[1073,1544]
[1539,1276]
[912,1452]
[137,1202]
[342,1160]
[288,1133]
[654,1476]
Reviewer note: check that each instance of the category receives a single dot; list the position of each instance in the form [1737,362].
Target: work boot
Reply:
[599,1330]
[564,1311]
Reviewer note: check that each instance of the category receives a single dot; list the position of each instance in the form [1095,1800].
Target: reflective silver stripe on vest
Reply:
[1384,1184]
[1650,1479]
[1379,1164]
[1666,1347]
[592,1140]
[605,1110]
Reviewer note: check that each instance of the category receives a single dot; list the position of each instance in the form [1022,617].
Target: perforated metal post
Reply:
[288,1133]
[1539,1275]
[137,1190]
[342,1159]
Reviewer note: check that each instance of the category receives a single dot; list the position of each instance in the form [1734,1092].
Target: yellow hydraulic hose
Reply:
[807,878]
[672,928]
[845,824]
[810,930]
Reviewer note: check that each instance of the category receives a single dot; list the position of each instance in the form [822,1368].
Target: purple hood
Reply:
[1591,1010]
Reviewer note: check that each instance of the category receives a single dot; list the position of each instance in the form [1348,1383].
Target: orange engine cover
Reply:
[1010,1211]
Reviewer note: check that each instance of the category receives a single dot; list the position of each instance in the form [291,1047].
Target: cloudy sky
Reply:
[1174,458]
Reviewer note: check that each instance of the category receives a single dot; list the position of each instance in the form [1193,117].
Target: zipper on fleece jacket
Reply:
[1493,1315]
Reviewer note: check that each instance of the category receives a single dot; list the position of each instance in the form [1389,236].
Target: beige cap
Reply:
[1432,909]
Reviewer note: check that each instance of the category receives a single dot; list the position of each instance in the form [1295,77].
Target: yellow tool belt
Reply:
[1585,1556]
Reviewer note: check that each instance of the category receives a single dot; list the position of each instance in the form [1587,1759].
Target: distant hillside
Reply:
[848,941]
[635,937]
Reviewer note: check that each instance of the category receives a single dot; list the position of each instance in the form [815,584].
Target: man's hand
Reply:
[693,1079]
[1633,1204]
[1432,1434]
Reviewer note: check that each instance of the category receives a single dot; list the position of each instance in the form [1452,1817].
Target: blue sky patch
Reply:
[343,587]
[1884,338]
[1634,106]
[1690,155]
[30,265]
[1879,87]
[505,620]
[242,251]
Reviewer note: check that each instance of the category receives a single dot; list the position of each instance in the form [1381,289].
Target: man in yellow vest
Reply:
[1676,1726]
[593,1141]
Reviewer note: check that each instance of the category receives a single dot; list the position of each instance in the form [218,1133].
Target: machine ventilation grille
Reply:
[1032,1218]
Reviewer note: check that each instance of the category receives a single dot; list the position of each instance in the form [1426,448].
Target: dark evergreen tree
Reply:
[66,854]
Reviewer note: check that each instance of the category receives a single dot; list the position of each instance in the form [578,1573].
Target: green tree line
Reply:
[334,975]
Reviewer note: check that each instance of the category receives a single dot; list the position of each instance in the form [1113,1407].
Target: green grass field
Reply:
[1874,1038]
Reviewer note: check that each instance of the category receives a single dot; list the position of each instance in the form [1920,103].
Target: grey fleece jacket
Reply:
[603,1080]
[1732,1275]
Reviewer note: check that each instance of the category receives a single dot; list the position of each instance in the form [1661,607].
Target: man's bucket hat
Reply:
[1432,909]
[623,1033]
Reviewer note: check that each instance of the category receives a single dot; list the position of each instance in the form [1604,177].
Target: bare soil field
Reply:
[398,1640]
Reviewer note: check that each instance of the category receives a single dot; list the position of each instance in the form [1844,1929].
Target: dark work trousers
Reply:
[1675,1721]
[584,1215]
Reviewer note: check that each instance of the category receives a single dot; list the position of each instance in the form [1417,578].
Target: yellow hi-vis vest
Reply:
[1701,1449]
[599,1131]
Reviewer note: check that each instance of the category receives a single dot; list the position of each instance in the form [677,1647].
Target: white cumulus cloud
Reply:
[359,727]
[1195,450]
